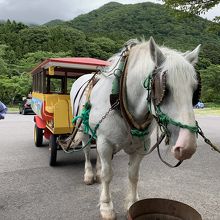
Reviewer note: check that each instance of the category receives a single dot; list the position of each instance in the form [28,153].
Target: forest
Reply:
[100,34]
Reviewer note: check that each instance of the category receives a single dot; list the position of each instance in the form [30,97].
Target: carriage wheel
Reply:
[38,136]
[53,149]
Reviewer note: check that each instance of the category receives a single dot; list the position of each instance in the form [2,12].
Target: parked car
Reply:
[25,106]
[200,104]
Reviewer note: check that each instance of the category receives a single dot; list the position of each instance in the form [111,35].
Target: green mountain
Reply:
[116,21]
[54,22]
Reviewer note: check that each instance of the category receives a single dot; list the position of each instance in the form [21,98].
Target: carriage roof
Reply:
[73,64]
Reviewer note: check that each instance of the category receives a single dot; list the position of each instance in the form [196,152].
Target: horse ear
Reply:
[156,54]
[192,57]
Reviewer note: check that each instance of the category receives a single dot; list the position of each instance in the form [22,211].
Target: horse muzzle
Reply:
[185,145]
[181,153]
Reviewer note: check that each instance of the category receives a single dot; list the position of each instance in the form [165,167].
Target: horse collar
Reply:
[119,93]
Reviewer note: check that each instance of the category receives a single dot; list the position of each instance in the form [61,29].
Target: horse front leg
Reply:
[88,175]
[98,169]
[133,175]
[106,206]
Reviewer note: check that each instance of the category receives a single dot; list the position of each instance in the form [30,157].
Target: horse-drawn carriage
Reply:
[146,88]
[52,81]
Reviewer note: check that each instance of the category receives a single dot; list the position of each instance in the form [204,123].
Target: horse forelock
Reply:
[140,60]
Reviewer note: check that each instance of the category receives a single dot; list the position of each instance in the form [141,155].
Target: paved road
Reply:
[31,190]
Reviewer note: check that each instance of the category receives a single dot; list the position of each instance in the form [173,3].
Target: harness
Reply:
[155,84]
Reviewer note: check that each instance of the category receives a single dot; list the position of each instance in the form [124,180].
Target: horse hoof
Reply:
[89,180]
[108,215]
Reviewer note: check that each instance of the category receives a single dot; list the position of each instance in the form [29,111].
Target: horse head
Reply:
[175,86]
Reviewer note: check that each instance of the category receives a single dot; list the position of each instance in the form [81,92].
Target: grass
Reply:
[13,108]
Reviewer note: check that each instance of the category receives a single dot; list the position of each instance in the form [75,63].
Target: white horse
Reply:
[114,132]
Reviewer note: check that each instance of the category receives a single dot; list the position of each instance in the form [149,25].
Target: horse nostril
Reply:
[177,151]
[181,153]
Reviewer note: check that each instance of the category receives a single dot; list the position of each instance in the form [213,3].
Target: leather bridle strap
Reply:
[157,145]
[160,139]
[123,103]
[169,165]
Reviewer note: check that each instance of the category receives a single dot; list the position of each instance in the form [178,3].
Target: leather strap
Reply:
[123,104]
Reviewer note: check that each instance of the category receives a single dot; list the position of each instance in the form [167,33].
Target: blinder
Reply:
[159,88]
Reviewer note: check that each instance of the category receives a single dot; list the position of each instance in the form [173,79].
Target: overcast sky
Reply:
[42,11]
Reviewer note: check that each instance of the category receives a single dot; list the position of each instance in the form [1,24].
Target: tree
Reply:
[16,86]
[210,83]
[3,64]
[30,60]
[192,6]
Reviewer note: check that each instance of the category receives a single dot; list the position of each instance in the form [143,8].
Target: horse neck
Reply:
[136,93]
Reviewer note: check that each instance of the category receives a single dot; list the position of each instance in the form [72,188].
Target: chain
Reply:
[108,112]
[207,141]
[94,131]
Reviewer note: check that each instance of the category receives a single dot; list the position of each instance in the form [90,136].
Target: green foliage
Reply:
[30,60]
[102,47]
[3,64]
[3,67]
[16,86]
[123,22]
[54,22]
[210,84]
[192,6]
[100,34]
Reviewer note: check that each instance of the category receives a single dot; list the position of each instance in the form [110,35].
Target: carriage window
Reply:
[70,82]
[56,85]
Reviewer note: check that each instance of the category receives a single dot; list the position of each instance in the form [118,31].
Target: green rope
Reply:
[147,83]
[165,120]
[85,120]
[139,133]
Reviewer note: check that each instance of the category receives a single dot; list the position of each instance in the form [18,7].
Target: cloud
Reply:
[38,11]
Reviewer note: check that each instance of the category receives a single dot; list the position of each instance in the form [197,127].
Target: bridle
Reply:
[155,84]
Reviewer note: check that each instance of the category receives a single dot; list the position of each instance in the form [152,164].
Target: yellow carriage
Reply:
[52,81]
